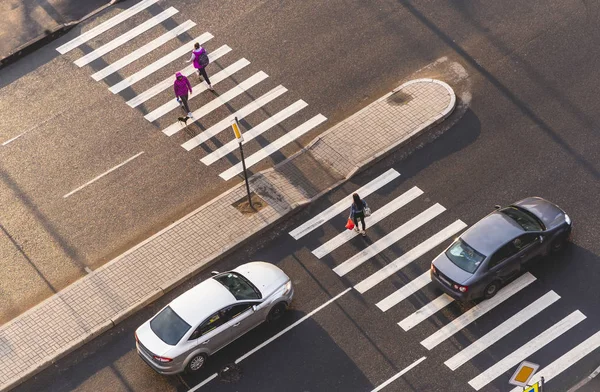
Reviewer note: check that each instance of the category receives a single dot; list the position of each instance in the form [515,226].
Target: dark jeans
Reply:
[184,101]
[202,71]
[361,216]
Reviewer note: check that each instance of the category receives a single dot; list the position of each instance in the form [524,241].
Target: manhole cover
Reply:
[230,373]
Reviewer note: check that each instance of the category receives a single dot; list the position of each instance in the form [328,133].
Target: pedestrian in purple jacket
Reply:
[182,86]
[196,55]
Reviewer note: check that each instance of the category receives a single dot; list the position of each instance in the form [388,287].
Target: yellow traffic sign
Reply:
[534,388]
[523,374]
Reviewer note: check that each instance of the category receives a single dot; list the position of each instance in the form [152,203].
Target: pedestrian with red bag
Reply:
[358,211]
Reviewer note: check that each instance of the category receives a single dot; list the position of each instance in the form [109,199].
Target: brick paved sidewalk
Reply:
[102,299]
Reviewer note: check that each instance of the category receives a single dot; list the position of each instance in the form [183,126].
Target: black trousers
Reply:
[361,216]
[184,102]
[202,71]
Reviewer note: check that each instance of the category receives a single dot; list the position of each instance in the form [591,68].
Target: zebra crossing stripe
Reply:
[143,50]
[255,131]
[501,330]
[377,216]
[343,204]
[564,362]
[120,40]
[220,100]
[198,89]
[101,28]
[168,82]
[410,256]
[158,64]
[276,145]
[523,352]
[404,292]
[226,122]
[428,310]
[477,311]
[389,239]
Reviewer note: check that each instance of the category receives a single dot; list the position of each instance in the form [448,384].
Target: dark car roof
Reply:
[491,232]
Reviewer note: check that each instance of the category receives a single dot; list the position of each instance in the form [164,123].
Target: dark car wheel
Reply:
[558,244]
[491,289]
[277,311]
[196,363]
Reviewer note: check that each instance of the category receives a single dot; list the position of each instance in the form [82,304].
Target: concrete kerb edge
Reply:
[586,380]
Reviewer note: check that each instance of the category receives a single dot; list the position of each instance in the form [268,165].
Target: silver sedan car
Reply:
[211,315]
[494,250]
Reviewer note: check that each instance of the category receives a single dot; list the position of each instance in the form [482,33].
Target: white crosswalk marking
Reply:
[158,64]
[226,122]
[428,310]
[276,145]
[502,330]
[564,362]
[143,50]
[120,40]
[219,101]
[410,256]
[404,292]
[198,89]
[477,311]
[168,82]
[389,239]
[526,350]
[101,28]
[343,204]
[377,215]
[254,132]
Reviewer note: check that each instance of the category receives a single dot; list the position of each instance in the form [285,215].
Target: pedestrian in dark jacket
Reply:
[196,53]
[181,87]
[357,211]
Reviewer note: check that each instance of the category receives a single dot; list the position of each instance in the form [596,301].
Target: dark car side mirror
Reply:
[497,206]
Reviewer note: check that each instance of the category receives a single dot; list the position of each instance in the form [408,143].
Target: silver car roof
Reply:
[490,233]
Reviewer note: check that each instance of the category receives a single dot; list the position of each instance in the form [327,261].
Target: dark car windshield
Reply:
[168,326]
[525,219]
[240,287]
[465,257]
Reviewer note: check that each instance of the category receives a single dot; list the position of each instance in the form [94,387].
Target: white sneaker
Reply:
[356,229]
[210,87]
[364,233]
[190,115]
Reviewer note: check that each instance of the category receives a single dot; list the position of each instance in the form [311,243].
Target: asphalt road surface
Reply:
[530,130]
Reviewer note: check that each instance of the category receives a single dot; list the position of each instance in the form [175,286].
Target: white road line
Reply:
[343,204]
[198,89]
[226,122]
[254,132]
[168,82]
[307,316]
[101,28]
[501,330]
[403,372]
[203,383]
[219,101]
[428,310]
[526,350]
[390,239]
[122,39]
[13,139]
[158,64]
[143,50]
[103,174]
[477,311]
[377,216]
[276,145]
[564,362]
[404,292]
[410,256]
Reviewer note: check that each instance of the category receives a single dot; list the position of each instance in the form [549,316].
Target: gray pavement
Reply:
[118,289]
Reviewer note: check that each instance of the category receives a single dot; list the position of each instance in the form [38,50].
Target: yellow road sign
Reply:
[236,130]
[523,373]
[534,388]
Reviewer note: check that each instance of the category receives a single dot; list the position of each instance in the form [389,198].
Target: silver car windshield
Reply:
[240,287]
[465,257]
[523,218]
[168,326]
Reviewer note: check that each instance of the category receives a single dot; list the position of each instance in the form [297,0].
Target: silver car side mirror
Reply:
[254,307]
[497,206]
[213,273]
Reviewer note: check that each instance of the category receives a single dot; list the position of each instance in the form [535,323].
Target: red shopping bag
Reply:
[350,224]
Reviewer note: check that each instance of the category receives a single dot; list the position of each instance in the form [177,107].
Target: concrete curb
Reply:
[44,39]
[217,256]
[585,381]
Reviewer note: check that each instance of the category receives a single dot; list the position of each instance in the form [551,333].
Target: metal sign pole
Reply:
[238,135]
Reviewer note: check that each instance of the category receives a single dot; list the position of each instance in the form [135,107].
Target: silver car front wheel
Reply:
[196,363]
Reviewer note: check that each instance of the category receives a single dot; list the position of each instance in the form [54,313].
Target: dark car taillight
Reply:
[462,289]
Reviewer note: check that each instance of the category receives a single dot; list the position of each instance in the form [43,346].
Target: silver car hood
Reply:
[444,265]
[547,212]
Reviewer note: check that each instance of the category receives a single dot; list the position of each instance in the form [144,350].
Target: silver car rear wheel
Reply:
[196,363]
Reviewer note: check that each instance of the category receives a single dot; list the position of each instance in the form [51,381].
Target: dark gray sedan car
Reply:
[494,250]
